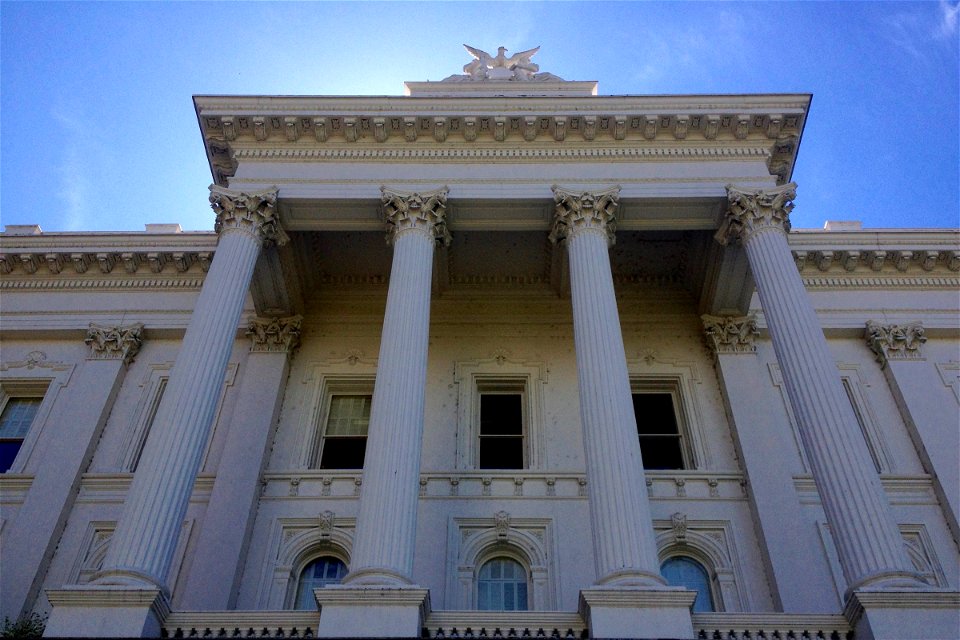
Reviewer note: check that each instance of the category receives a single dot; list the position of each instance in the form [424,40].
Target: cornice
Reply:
[61,284]
[117,241]
[27,259]
[879,251]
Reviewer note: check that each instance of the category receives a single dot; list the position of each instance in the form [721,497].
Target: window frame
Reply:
[328,552]
[340,390]
[708,573]
[672,386]
[504,387]
[499,374]
[36,375]
[357,385]
[17,390]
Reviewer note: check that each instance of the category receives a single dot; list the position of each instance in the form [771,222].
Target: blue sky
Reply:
[98,132]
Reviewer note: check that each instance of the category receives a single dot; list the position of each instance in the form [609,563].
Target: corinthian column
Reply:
[386,525]
[142,547]
[866,535]
[624,542]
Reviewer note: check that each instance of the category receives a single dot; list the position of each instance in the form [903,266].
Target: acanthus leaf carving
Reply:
[895,341]
[280,335]
[109,343]
[424,211]
[501,523]
[731,334]
[752,210]
[577,211]
[253,212]
[678,523]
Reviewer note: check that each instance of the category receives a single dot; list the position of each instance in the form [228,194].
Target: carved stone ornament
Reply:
[426,211]
[325,523]
[280,335]
[731,334]
[895,341]
[114,343]
[517,67]
[584,210]
[252,212]
[501,522]
[752,210]
[678,522]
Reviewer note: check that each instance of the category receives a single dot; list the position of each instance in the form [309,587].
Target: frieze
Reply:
[895,341]
[114,342]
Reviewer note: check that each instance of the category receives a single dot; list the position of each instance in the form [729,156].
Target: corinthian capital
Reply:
[280,335]
[578,211]
[409,210]
[731,334]
[251,212]
[751,210]
[895,341]
[114,343]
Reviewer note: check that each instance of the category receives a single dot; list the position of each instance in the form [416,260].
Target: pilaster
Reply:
[868,540]
[624,542]
[788,545]
[386,525]
[77,418]
[228,521]
[929,411]
[146,536]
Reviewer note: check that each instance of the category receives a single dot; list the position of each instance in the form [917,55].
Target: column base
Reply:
[637,612]
[895,614]
[106,611]
[348,611]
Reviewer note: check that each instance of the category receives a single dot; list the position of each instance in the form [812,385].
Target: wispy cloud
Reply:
[75,184]
[918,32]
[948,19]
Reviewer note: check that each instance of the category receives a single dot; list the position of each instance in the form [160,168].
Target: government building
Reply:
[500,357]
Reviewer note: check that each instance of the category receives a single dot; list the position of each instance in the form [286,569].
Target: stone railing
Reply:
[241,624]
[770,626]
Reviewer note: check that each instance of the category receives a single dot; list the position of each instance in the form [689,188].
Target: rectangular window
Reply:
[344,439]
[661,440]
[145,431]
[862,423]
[501,429]
[15,420]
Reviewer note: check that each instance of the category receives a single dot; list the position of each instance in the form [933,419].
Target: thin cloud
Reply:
[948,20]
[75,184]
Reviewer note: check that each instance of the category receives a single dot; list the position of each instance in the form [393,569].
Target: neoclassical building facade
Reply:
[590,384]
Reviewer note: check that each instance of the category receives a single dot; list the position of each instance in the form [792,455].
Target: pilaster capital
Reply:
[577,211]
[254,213]
[730,334]
[895,341]
[274,335]
[752,210]
[424,211]
[114,343]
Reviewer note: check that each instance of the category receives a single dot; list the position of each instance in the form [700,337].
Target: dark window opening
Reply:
[15,421]
[345,434]
[501,431]
[661,445]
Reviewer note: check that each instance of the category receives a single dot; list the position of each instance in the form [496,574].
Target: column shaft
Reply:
[865,533]
[385,540]
[143,545]
[619,507]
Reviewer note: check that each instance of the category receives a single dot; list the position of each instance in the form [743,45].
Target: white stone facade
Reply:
[573,254]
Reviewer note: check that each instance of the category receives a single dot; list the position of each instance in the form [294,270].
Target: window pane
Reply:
[501,453]
[501,414]
[502,586]
[343,453]
[655,413]
[317,574]
[661,452]
[349,416]
[686,572]
[8,452]
[17,417]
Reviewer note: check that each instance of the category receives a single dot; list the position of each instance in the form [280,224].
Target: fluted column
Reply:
[624,543]
[142,547]
[868,541]
[386,525]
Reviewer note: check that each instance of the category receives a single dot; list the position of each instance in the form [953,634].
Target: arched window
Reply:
[318,573]
[502,586]
[681,571]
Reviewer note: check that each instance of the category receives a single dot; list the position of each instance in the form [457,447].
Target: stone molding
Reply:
[274,335]
[80,262]
[114,342]
[578,211]
[731,334]
[753,210]
[252,212]
[415,210]
[110,596]
[895,341]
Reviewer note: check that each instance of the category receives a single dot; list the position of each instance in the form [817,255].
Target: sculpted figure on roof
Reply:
[517,67]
